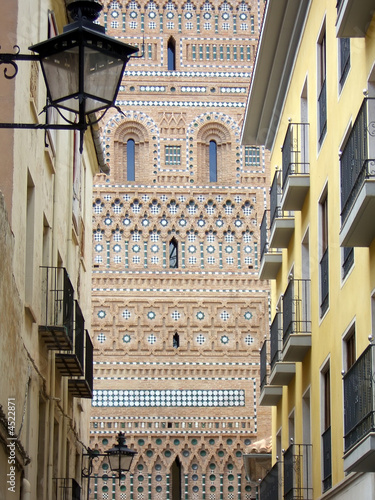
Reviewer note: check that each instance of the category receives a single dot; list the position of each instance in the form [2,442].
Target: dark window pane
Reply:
[213,161]
[130,160]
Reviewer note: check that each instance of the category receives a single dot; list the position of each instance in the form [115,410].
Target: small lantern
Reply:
[120,457]
[83,67]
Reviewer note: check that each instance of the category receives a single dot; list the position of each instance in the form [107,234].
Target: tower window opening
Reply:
[173,254]
[176,340]
[213,161]
[130,160]
[171,54]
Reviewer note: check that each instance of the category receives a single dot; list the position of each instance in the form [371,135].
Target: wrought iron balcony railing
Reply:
[70,363]
[276,340]
[275,197]
[357,162]
[264,235]
[359,399]
[297,472]
[66,489]
[327,460]
[263,365]
[338,5]
[295,151]
[57,319]
[82,387]
[296,308]
[269,486]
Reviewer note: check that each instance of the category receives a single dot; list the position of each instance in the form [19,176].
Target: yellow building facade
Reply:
[311,104]
[45,274]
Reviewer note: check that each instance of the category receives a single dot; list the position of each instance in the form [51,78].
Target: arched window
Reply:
[173,254]
[176,479]
[213,161]
[130,160]
[171,54]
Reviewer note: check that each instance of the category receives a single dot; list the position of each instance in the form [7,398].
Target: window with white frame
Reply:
[172,155]
[252,156]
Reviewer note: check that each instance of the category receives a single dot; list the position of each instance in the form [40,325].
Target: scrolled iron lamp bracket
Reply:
[105,52]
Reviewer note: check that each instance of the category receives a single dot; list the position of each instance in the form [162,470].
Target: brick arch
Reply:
[139,133]
[218,132]
[119,129]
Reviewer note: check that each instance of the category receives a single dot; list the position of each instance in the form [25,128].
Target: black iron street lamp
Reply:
[120,458]
[82,69]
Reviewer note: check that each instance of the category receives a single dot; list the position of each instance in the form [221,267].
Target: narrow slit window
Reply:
[130,160]
[171,54]
[176,340]
[213,161]
[173,254]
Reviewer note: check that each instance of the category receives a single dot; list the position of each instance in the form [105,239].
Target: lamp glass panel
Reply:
[120,461]
[62,77]
[102,75]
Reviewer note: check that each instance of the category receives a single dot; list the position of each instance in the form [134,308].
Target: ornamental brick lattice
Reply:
[179,314]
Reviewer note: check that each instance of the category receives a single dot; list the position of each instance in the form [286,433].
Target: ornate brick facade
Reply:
[178,311]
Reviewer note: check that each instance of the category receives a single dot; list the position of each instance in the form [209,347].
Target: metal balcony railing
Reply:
[296,308]
[359,398]
[275,197]
[322,110]
[70,363]
[89,363]
[269,486]
[327,460]
[58,308]
[276,341]
[66,489]
[79,334]
[297,472]
[338,5]
[263,365]
[295,151]
[263,235]
[357,163]
[82,387]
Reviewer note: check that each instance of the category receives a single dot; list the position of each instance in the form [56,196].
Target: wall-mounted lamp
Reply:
[82,69]
[120,458]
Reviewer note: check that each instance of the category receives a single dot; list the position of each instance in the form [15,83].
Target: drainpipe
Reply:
[25,490]
[51,427]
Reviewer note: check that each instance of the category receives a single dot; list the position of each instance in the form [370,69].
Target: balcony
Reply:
[281,372]
[269,395]
[70,363]
[296,320]
[359,414]
[282,223]
[357,170]
[269,486]
[66,488]
[82,387]
[297,464]
[296,167]
[56,328]
[270,260]
[353,18]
